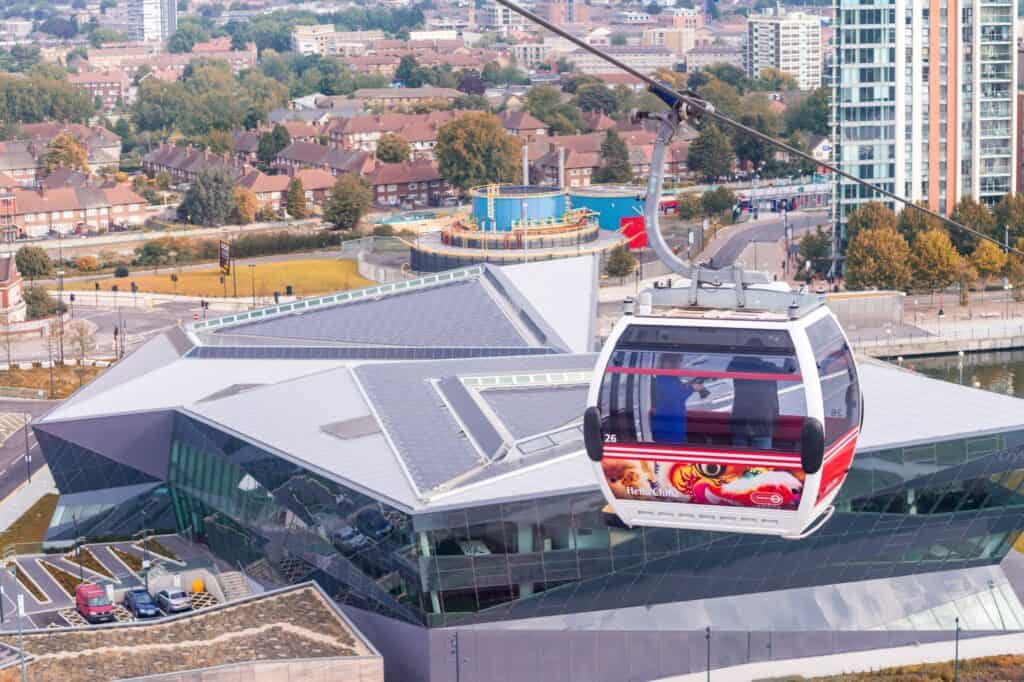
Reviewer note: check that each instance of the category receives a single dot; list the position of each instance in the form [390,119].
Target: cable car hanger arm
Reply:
[693,108]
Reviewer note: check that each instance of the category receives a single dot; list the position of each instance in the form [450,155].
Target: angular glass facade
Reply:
[906,510]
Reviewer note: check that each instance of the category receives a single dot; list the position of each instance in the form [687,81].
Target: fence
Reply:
[337,669]
[941,338]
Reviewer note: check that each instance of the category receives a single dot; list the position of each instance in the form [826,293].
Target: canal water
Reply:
[998,371]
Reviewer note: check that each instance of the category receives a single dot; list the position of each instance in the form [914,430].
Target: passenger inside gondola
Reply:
[755,405]
[668,416]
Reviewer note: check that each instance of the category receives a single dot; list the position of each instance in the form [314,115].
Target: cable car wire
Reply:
[702,108]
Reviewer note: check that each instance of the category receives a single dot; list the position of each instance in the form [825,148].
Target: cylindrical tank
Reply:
[611,203]
[512,203]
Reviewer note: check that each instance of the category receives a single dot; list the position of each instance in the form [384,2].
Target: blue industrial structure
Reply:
[611,203]
[498,208]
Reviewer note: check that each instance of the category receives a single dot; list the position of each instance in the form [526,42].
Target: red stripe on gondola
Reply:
[707,374]
[683,452]
[790,464]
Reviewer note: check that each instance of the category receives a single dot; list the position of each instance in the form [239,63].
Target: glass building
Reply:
[451,488]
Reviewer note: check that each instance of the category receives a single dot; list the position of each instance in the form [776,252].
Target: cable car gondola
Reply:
[727,420]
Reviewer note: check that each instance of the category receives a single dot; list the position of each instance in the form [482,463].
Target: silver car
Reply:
[173,601]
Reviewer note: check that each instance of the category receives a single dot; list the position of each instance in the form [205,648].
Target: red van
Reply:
[91,601]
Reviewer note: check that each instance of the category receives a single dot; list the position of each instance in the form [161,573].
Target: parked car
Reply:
[92,603]
[140,604]
[173,601]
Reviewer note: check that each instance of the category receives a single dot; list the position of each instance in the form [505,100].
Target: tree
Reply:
[392,148]
[776,79]
[988,259]
[219,142]
[718,200]
[974,214]
[210,199]
[474,149]
[615,165]
[689,206]
[935,260]
[545,102]
[81,340]
[710,154]
[33,262]
[271,144]
[597,97]
[347,201]
[65,151]
[185,38]
[878,257]
[39,303]
[1009,213]
[816,248]
[620,262]
[243,211]
[913,223]
[471,83]
[295,201]
[870,215]
[811,113]
[409,72]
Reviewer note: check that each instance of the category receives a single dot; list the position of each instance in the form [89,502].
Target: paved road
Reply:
[766,229]
[13,470]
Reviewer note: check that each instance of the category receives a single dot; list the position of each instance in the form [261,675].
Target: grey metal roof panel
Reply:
[527,411]
[479,426]
[289,417]
[428,437]
[457,314]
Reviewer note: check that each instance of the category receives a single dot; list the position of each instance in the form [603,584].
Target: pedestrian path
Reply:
[19,502]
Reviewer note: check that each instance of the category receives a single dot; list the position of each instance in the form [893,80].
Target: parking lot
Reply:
[48,604]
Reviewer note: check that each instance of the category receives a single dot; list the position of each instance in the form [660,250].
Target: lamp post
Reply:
[78,549]
[252,277]
[956,651]
[28,451]
[60,315]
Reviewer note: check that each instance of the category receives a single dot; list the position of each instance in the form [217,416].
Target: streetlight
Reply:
[28,451]
[252,277]
[60,315]
[79,540]
[13,570]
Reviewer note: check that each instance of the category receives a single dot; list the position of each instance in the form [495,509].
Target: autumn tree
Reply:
[711,154]
[912,223]
[973,214]
[615,165]
[871,215]
[935,260]
[244,210]
[474,149]
[988,259]
[878,257]
[347,201]
[689,206]
[392,148]
[295,201]
[65,151]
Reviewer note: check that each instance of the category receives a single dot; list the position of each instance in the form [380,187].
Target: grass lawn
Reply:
[153,545]
[67,581]
[89,561]
[307,277]
[990,669]
[31,526]
[66,379]
[130,560]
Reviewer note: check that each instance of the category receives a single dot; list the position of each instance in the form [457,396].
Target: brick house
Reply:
[404,97]
[70,210]
[271,190]
[523,125]
[184,163]
[361,133]
[113,88]
[300,155]
[22,159]
[415,182]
